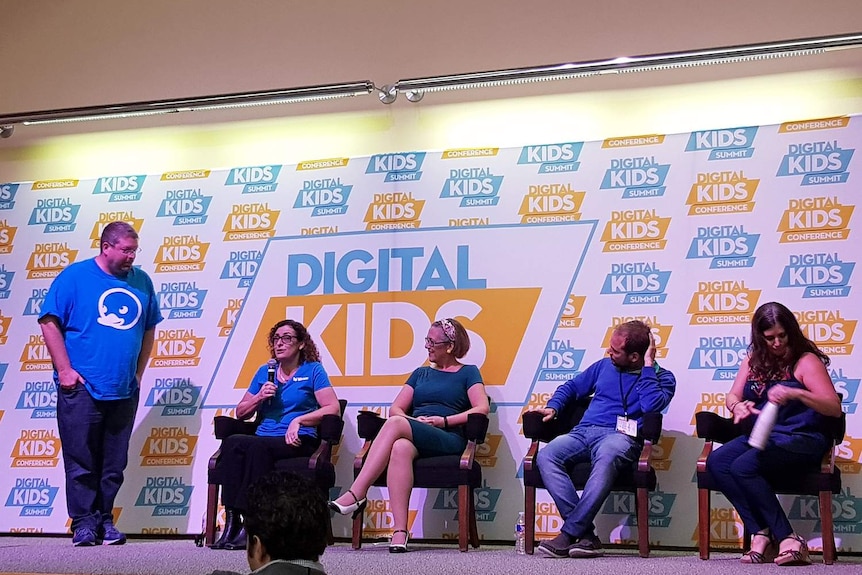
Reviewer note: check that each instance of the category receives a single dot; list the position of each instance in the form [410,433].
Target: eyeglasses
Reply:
[286,339]
[127,251]
[432,343]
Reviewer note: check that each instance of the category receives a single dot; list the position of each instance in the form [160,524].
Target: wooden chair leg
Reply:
[529,519]
[827,528]
[703,525]
[463,519]
[474,528]
[642,505]
[212,514]
[356,533]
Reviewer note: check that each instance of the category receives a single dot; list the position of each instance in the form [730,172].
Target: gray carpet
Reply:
[181,557]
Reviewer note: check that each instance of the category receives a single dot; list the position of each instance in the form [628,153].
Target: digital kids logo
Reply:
[819,162]
[721,193]
[325,197]
[36,448]
[377,521]
[638,282]
[106,218]
[5,324]
[228,316]
[814,220]
[847,386]
[548,520]
[33,307]
[486,453]
[168,496]
[185,175]
[175,395]
[659,507]
[474,186]
[661,453]
[242,265]
[660,333]
[724,246]
[846,512]
[56,214]
[250,222]
[7,196]
[485,499]
[545,203]
[726,144]
[561,361]
[34,495]
[120,188]
[40,398]
[571,316]
[177,348]
[831,332]
[7,237]
[725,528]
[635,230]
[322,164]
[6,277]
[721,354]
[638,177]
[34,355]
[48,260]
[181,300]
[722,302]
[188,206]
[399,167]
[394,211]
[168,446]
[552,158]
[181,254]
[819,274]
[254,179]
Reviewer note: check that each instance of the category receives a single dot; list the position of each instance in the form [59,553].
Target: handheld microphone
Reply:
[270,376]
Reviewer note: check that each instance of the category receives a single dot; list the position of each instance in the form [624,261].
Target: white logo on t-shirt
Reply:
[119,308]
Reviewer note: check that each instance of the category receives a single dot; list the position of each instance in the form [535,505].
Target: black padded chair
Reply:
[640,480]
[821,482]
[317,467]
[439,472]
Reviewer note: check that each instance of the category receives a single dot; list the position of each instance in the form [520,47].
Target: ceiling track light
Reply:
[414,89]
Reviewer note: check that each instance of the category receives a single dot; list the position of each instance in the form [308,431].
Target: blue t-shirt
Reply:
[437,392]
[103,319]
[294,398]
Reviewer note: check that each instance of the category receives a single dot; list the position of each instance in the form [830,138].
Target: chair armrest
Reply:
[368,424]
[225,426]
[321,455]
[469,455]
[213,459]
[644,462]
[530,457]
[701,460]
[538,430]
[651,426]
[329,429]
[712,427]
[359,458]
[476,428]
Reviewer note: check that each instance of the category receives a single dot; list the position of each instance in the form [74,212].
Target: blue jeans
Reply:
[607,449]
[95,439]
[738,470]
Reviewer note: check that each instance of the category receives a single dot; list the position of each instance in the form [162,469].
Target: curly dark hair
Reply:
[308,351]
[289,515]
[763,365]
[636,334]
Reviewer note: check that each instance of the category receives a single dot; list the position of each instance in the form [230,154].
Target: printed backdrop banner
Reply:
[540,251]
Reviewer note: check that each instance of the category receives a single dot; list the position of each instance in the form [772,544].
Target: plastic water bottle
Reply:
[763,426]
[520,528]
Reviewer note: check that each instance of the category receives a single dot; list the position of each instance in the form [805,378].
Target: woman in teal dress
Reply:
[426,419]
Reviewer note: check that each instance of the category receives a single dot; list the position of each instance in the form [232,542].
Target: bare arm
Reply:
[819,391]
[146,350]
[328,402]
[733,400]
[403,402]
[56,345]
[249,403]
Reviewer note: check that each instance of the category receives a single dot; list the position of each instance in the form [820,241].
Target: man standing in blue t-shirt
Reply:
[98,321]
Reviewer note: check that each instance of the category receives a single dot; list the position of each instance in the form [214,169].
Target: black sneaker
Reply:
[586,547]
[110,535]
[84,537]
[552,548]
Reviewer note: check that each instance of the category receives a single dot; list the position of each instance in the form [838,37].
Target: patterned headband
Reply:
[448,329]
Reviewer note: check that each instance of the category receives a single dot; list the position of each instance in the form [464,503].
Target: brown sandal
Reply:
[792,557]
[768,555]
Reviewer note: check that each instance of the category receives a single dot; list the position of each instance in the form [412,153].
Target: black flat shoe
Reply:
[399,548]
